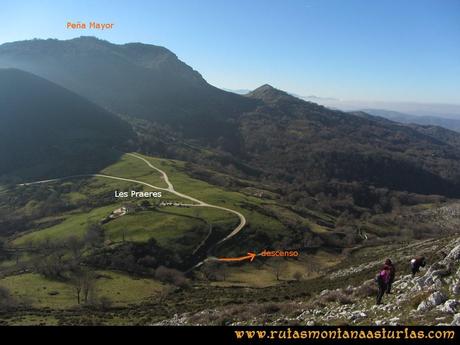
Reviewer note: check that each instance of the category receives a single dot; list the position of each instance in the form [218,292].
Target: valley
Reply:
[182,229]
[200,220]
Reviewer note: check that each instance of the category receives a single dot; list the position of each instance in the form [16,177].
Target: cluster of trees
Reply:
[54,261]
[136,258]
[83,282]
[352,199]
[40,201]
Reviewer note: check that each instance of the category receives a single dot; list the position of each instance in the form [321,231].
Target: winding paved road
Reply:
[170,189]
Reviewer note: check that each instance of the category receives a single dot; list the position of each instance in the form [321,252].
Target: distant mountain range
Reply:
[447,120]
[452,124]
[444,110]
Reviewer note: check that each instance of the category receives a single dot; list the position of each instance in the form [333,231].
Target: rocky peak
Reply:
[268,93]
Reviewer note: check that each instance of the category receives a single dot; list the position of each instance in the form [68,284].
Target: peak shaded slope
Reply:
[46,130]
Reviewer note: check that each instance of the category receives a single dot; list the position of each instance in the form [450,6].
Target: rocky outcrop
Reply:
[456,320]
[455,289]
[454,255]
[450,306]
[435,299]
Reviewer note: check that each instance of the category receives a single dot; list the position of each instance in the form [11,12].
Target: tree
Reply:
[94,236]
[277,268]
[75,246]
[145,204]
[75,281]
[52,266]
[83,282]
[105,303]
[89,284]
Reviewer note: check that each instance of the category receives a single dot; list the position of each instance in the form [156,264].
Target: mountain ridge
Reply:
[448,123]
[134,79]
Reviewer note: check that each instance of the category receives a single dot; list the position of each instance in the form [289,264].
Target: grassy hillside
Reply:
[161,223]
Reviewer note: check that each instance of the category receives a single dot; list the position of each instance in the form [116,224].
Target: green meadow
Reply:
[40,292]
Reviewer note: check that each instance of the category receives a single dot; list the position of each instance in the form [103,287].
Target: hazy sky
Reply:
[389,50]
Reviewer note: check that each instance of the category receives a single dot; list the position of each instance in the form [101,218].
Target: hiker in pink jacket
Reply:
[382,280]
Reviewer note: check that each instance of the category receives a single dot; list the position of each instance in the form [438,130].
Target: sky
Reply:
[386,50]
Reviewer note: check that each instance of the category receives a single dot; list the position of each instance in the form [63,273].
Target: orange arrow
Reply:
[250,257]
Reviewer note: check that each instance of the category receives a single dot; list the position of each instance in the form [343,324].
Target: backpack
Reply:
[378,278]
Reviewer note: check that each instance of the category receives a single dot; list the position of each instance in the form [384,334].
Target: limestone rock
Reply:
[424,306]
[437,298]
[456,288]
[324,292]
[456,320]
[454,254]
[450,306]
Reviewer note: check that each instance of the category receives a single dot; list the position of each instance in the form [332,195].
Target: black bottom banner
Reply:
[239,335]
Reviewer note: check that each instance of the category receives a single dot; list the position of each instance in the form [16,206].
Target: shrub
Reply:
[298,275]
[337,296]
[171,276]
[366,290]
[269,308]
[343,299]
[105,303]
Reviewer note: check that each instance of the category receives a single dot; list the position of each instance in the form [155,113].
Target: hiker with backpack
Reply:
[416,263]
[382,279]
[391,279]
